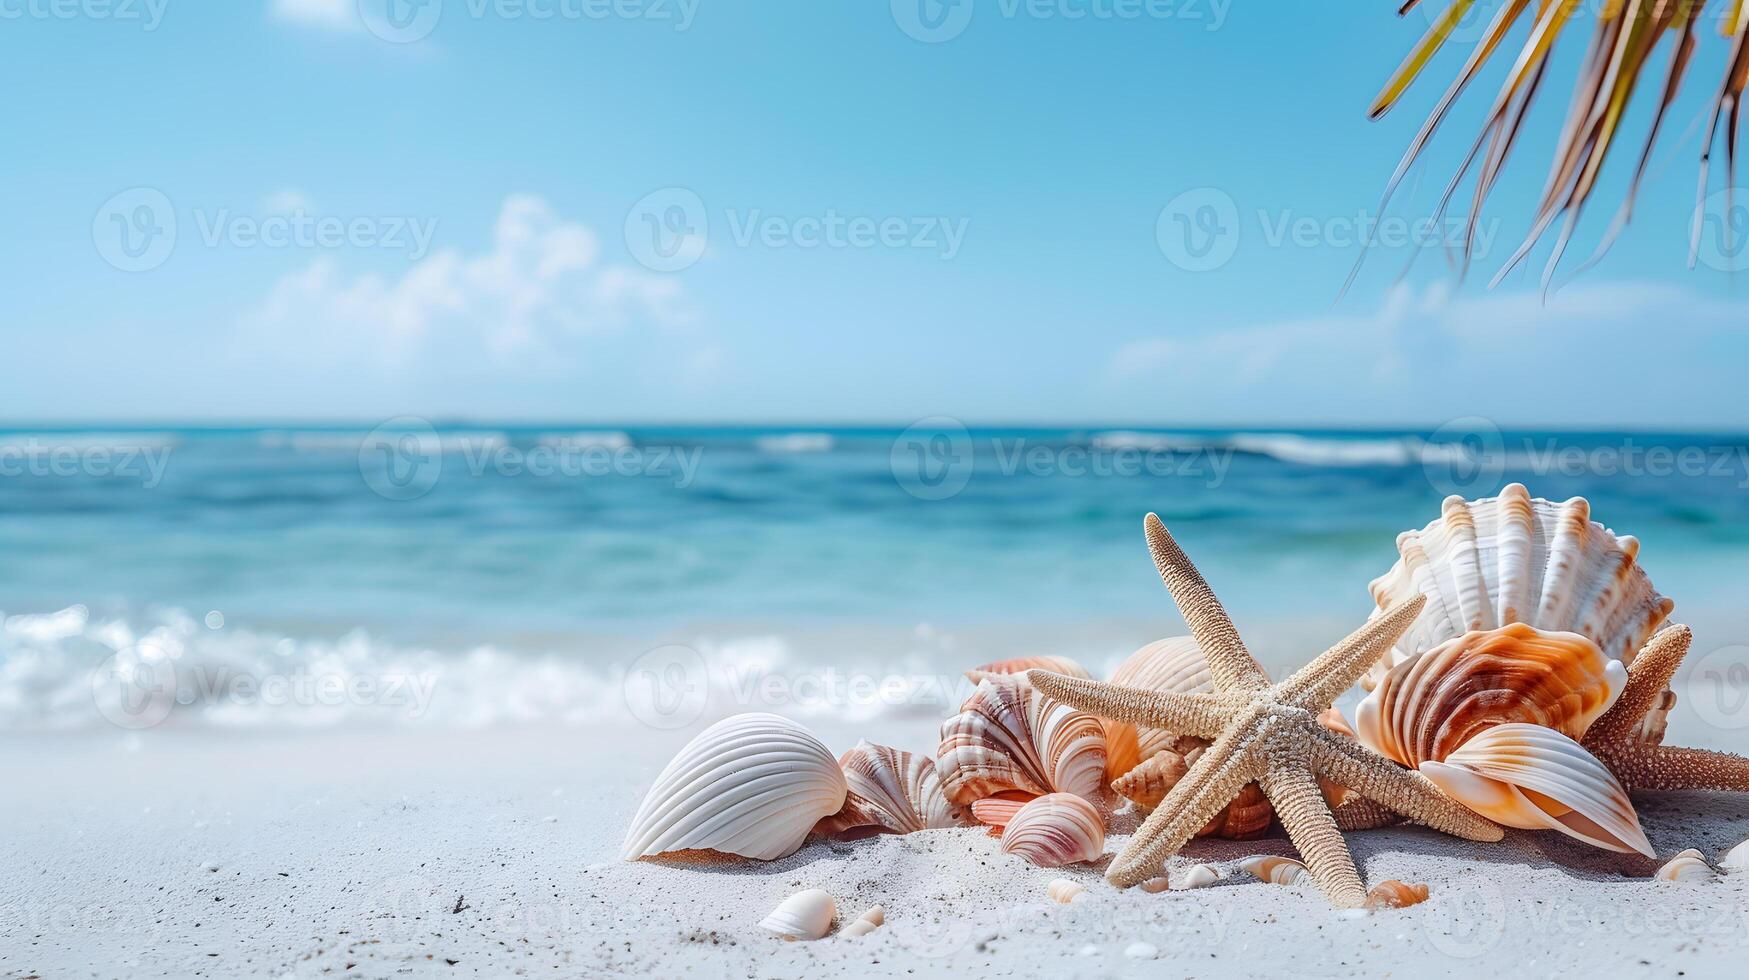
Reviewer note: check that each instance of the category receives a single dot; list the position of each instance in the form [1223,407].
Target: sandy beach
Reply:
[496,853]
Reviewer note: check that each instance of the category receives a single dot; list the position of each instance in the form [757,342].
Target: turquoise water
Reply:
[244,543]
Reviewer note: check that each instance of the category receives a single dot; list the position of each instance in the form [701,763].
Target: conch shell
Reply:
[1009,737]
[1020,665]
[751,784]
[1055,830]
[1536,778]
[1273,869]
[1430,704]
[894,791]
[1394,894]
[804,915]
[1518,559]
[1686,866]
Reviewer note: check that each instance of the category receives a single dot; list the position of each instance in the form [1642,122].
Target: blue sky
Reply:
[892,228]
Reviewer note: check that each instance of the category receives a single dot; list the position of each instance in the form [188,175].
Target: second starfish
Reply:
[1263,733]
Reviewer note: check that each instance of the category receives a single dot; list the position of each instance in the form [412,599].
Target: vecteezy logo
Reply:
[397,911]
[1464,455]
[1718,688]
[666,230]
[667,687]
[400,21]
[1199,229]
[135,231]
[932,458]
[1474,919]
[401,459]
[1722,240]
[135,687]
[932,21]
[1472,20]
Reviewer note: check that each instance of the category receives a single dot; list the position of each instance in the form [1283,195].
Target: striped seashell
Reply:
[1020,665]
[804,915]
[1176,665]
[864,924]
[1428,705]
[1274,869]
[892,791]
[1688,865]
[1536,778]
[1055,830]
[751,784]
[1201,876]
[1518,559]
[996,811]
[1008,737]
[1736,859]
[1063,891]
[1394,894]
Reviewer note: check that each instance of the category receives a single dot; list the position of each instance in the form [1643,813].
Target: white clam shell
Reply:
[1687,865]
[1518,559]
[1063,891]
[1274,869]
[1054,830]
[1736,859]
[804,915]
[1201,876]
[1536,778]
[1009,737]
[751,784]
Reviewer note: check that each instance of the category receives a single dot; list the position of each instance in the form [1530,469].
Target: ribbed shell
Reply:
[1274,869]
[895,791]
[1394,894]
[751,784]
[1020,665]
[1064,891]
[804,915]
[1055,830]
[1008,736]
[1176,665]
[1536,778]
[1430,704]
[1688,865]
[1515,558]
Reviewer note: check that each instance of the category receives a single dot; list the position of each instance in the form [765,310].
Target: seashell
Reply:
[1020,665]
[1055,830]
[1518,559]
[1175,664]
[894,791]
[1201,876]
[1155,886]
[864,924]
[1008,736]
[751,784]
[1063,891]
[1536,778]
[1686,866]
[1428,705]
[1273,869]
[1736,859]
[1245,818]
[1394,894]
[997,810]
[804,915]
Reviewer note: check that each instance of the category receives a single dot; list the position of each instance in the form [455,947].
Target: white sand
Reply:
[414,854]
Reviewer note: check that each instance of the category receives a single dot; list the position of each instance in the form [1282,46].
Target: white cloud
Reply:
[1596,354]
[329,14]
[534,298]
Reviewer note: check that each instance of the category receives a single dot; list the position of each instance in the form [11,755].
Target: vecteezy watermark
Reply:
[136,230]
[142,685]
[669,229]
[1474,919]
[37,456]
[935,458]
[1201,230]
[935,21]
[1718,688]
[406,21]
[1472,454]
[147,13]
[667,687]
[403,458]
[1721,230]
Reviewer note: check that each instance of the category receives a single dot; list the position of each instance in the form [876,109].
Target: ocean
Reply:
[523,568]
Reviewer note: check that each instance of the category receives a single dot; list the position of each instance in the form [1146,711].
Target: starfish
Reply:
[1264,733]
[1647,766]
